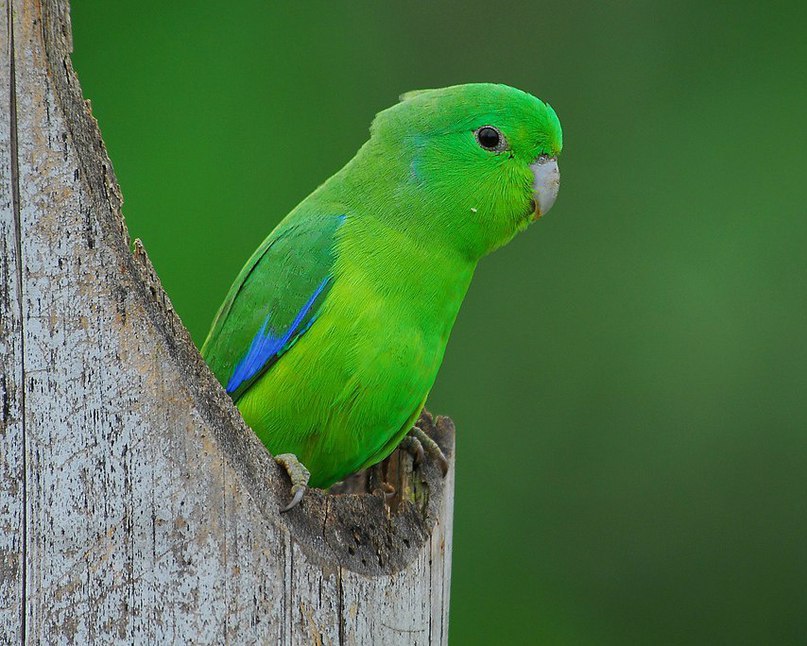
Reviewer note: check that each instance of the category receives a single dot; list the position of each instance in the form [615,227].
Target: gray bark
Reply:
[135,505]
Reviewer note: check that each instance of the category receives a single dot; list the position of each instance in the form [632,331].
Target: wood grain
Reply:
[135,505]
[12,446]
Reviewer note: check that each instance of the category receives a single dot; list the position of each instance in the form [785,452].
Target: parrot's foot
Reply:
[413,447]
[427,445]
[298,475]
[377,483]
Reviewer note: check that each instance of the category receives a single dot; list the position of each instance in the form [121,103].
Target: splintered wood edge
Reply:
[355,531]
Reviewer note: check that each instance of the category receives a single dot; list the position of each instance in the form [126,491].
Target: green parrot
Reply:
[331,337]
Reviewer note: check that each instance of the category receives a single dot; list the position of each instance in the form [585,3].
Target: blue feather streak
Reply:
[265,345]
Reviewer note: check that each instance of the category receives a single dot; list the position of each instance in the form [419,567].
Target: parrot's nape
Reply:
[331,337]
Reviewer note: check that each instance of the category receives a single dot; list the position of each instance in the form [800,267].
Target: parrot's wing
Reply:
[273,301]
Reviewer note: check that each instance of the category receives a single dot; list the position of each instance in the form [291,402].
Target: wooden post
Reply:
[135,505]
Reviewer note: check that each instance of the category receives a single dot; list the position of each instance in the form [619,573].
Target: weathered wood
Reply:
[135,505]
[12,493]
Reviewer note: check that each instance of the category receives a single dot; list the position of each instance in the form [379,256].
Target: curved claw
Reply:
[414,447]
[432,447]
[295,500]
[443,462]
[298,475]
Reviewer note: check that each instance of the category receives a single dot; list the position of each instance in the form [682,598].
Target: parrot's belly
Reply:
[346,392]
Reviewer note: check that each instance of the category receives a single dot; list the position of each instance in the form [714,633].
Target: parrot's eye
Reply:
[490,138]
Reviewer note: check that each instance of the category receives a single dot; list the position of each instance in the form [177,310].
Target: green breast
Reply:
[358,376]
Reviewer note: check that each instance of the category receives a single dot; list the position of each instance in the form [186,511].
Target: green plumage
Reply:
[332,335]
[276,282]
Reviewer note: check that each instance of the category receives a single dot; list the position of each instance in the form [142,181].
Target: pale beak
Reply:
[546,183]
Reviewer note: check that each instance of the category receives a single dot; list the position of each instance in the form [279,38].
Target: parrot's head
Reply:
[475,164]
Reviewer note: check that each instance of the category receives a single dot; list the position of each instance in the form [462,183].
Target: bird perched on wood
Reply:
[331,337]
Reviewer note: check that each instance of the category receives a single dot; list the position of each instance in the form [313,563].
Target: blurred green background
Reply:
[629,377]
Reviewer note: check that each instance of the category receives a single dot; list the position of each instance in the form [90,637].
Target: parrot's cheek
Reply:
[545,185]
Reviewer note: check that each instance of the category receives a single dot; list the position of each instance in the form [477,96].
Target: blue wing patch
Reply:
[268,345]
[277,296]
